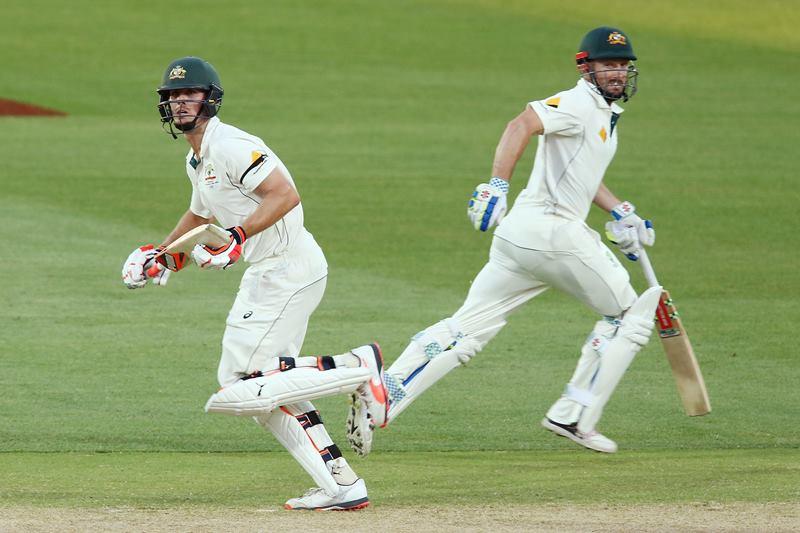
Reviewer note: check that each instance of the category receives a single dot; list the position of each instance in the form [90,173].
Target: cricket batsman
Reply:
[242,185]
[544,242]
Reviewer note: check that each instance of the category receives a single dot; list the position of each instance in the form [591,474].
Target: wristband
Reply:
[238,234]
[499,183]
[623,210]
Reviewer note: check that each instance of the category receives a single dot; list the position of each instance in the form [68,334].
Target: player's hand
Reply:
[625,213]
[487,206]
[140,266]
[625,238]
[222,257]
[158,274]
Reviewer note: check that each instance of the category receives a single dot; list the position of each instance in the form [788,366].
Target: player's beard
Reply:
[187,126]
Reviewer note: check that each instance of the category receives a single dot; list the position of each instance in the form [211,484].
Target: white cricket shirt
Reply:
[578,144]
[232,164]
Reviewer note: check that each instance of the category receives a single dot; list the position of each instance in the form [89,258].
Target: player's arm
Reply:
[278,197]
[513,142]
[605,199]
[628,230]
[187,222]
[488,202]
[150,262]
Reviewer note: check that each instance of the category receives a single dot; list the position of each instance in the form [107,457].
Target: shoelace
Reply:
[311,492]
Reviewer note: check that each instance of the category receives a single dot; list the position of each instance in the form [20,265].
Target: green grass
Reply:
[387,116]
[257,480]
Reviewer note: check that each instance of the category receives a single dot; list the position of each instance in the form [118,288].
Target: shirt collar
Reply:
[213,122]
[599,100]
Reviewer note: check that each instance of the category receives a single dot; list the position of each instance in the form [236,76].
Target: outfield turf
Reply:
[387,115]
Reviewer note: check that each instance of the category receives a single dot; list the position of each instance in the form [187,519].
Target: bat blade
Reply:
[208,234]
[679,352]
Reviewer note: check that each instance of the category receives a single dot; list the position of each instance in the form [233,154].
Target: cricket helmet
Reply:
[607,42]
[189,73]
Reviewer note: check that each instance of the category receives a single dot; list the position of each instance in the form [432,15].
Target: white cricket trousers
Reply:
[576,262]
[552,252]
[270,315]
[269,319]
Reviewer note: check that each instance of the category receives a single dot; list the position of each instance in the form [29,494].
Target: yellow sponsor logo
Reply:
[553,102]
[255,155]
[177,73]
[616,37]
[603,134]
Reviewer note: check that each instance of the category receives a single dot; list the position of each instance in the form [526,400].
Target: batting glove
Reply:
[629,231]
[487,206]
[140,266]
[625,238]
[222,257]
[158,274]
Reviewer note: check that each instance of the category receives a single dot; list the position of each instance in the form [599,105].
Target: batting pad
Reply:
[261,395]
[617,356]
[299,443]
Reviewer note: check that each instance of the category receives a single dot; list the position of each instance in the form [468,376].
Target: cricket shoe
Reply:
[369,405]
[348,498]
[360,428]
[592,440]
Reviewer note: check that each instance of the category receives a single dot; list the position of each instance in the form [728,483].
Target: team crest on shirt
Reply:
[616,37]
[177,73]
[603,134]
[209,176]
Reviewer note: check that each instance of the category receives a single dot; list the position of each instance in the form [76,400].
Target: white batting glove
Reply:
[629,231]
[222,257]
[625,213]
[134,269]
[487,206]
[158,274]
[625,238]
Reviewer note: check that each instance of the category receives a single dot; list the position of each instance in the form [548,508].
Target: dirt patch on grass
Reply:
[12,108]
[684,517]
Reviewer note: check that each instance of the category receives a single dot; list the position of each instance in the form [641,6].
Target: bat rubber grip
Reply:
[153,271]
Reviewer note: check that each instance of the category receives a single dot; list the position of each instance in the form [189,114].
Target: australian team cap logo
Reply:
[179,73]
[616,37]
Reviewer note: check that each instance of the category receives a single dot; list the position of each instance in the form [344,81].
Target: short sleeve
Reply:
[249,164]
[556,117]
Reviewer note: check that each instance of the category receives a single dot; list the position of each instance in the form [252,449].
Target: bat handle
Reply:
[153,271]
[647,267]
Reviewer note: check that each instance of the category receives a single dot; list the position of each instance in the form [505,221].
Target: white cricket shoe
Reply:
[349,498]
[369,405]
[592,440]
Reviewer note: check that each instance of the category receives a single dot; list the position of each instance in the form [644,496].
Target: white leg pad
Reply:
[430,356]
[577,395]
[295,439]
[263,394]
[633,333]
[433,371]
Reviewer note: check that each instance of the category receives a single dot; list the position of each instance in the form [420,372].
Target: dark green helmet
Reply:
[605,43]
[190,73]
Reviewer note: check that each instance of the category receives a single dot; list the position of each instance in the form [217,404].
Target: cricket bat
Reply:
[678,348]
[209,234]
